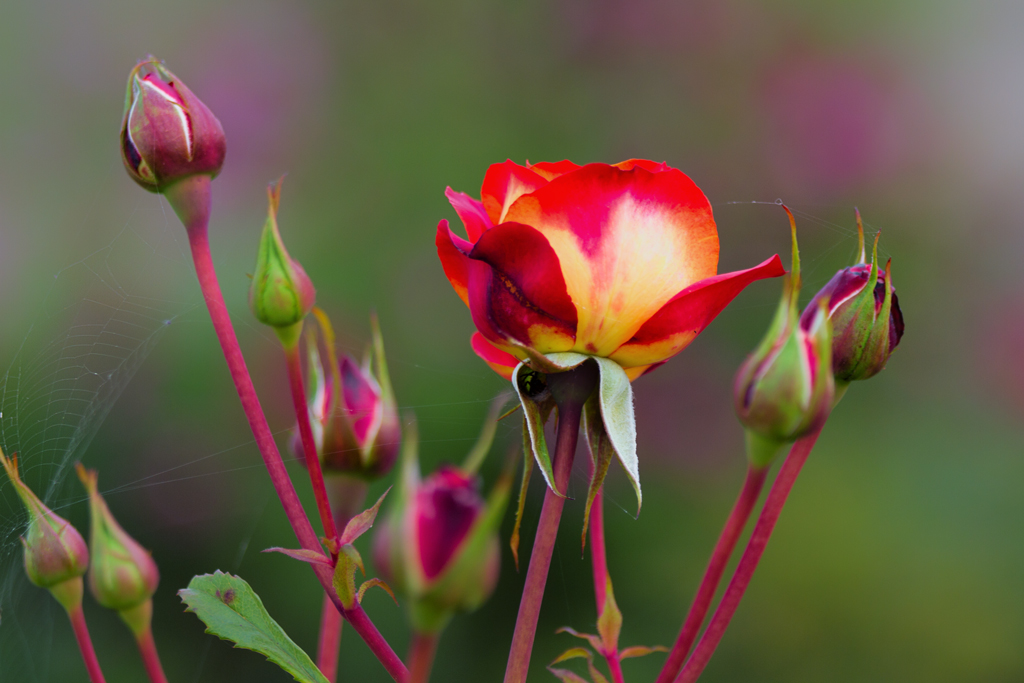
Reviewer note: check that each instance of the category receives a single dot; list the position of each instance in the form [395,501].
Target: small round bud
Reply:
[167,133]
[55,553]
[867,323]
[123,574]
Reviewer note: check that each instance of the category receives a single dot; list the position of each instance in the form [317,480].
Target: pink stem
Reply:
[92,665]
[329,642]
[543,546]
[150,658]
[316,475]
[599,561]
[421,656]
[751,556]
[734,526]
[191,201]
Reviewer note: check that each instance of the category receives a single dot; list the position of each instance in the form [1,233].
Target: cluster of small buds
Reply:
[788,386]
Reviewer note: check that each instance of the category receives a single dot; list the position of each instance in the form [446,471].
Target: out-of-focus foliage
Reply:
[900,553]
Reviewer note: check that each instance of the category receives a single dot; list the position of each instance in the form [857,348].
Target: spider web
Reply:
[99,320]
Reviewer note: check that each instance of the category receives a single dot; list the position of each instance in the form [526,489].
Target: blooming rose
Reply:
[616,261]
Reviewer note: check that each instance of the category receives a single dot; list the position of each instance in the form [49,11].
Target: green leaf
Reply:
[344,582]
[567,676]
[641,651]
[231,610]
[370,583]
[361,523]
[595,641]
[572,653]
[609,623]
[616,398]
[601,453]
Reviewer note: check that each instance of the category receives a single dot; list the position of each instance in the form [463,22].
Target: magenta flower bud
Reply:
[281,295]
[439,547]
[55,553]
[353,410]
[123,574]
[784,390]
[867,323]
[167,133]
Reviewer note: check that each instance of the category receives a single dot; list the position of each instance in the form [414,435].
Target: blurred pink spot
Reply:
[831,125]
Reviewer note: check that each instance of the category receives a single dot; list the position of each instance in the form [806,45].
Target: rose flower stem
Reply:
[599,562]
[349,496]
[734,525]
[421,656]
[150,658]
[543,545]
[192,203]
[751,556]
[316,475]
[92,665]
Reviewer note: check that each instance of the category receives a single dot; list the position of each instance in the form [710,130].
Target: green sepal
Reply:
[615,394]
[232,611]
[615,398]
[523,488]
[535,414]
[601,454]
[482,447]
[370,583]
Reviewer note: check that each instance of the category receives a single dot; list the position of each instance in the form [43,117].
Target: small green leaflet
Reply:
[232,611]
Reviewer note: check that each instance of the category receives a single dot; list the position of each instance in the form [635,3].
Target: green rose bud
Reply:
[281,294]
[123,575]
[784,390]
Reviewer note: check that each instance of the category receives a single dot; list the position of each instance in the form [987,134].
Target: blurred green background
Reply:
[899,556]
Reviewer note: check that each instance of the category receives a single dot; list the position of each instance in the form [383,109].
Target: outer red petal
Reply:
[652,166]
[453,252]
[627,242]
[688,313]
[471,212]
[501,362]
[552,169]
[505,183]
[517,292]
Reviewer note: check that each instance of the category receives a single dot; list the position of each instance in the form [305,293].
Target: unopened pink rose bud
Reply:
[56,555]
[353,409]
[439,546]
[867,323]
[123,574]
[167,133]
